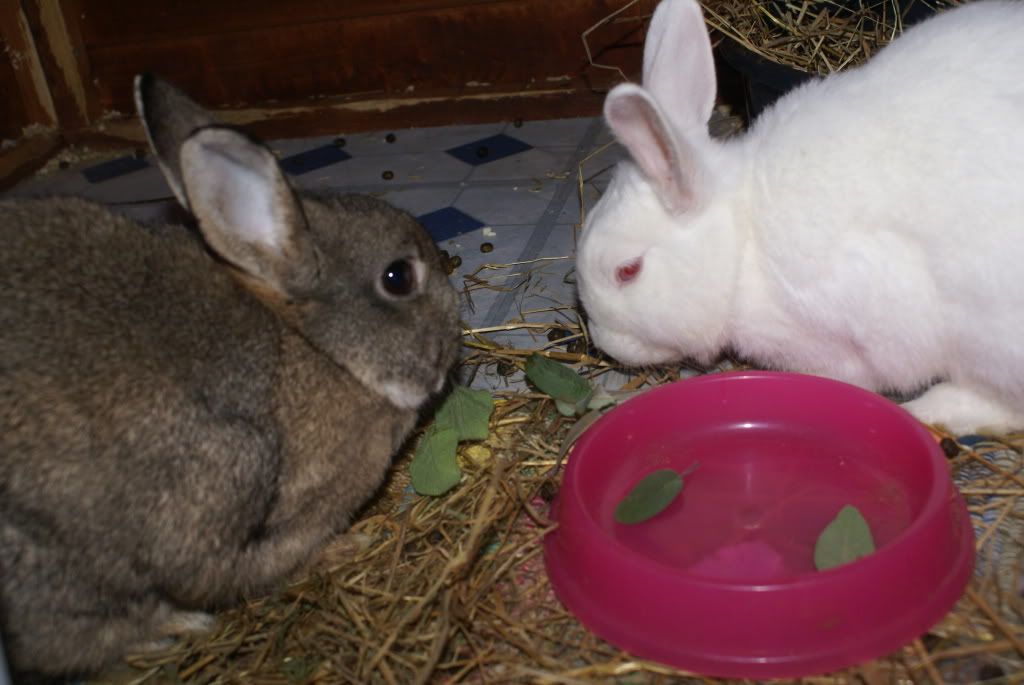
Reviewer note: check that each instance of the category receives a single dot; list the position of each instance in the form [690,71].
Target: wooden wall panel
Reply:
[24,72]
[61,54]
[238,53]
[13,117]
[306,67]
[113,22]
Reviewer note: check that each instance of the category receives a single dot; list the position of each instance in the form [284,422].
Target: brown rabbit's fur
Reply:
[179,428]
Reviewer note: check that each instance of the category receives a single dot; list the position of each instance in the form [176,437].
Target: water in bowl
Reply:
[754,508]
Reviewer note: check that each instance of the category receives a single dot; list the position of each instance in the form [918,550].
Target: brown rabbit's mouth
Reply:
[403,394]
[412,393]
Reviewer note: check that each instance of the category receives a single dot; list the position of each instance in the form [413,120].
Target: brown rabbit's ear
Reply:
[169,117]
[246,210]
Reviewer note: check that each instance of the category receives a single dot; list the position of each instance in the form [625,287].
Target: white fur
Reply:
[869,227]
[404,395]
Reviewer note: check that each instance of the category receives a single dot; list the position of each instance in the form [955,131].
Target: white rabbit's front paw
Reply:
[962,410]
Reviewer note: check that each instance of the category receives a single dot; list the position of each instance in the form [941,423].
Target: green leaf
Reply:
[649,497]
[468,412]
[565,408]
[465,415]
[569,409]
[596,406]
[585,422]
[435,466]
[600,399]
[557,380]
[583,403]
[845,539]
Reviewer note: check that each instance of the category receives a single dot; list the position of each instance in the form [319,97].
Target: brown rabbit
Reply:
[185,420]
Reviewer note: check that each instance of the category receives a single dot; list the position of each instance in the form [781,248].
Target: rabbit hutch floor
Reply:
[453,589]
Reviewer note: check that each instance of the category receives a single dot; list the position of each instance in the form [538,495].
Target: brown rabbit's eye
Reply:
[399,278]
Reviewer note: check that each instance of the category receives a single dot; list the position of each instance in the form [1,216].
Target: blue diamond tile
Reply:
[489,149]
[113,169]
[311,160]
[445,224]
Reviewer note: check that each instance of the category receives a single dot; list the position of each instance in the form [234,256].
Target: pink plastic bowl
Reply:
[722,582]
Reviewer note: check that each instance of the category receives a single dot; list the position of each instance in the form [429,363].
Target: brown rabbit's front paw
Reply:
[171,626]
[341,550]
[180,623]
[151,647]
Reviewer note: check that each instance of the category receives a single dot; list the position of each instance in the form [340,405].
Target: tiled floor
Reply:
[490,194]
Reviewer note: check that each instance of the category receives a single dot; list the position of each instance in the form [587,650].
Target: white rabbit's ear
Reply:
[246,210]
[679,67]
[667,161]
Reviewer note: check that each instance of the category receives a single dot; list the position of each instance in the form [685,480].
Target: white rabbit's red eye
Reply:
[628,271]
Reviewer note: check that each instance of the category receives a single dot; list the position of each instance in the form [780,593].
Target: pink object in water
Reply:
[722,582]
[750,561]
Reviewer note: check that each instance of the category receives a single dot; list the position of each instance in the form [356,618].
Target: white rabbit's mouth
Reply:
[631,350]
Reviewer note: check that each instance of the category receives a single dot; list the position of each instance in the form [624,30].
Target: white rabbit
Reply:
[869,226]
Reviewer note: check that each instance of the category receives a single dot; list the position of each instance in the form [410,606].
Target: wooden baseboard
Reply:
[26,156]
[353,116]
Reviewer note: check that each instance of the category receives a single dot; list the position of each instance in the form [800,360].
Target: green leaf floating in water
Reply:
[559,382]
[435,466]
[468,412]
[845,539]
[649,497]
